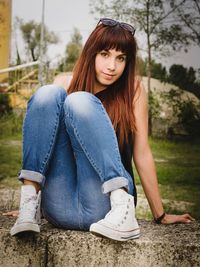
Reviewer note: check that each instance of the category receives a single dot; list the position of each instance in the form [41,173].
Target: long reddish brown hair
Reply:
[118,97]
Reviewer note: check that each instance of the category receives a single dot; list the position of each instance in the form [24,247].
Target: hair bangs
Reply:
[118,97]
[115,38]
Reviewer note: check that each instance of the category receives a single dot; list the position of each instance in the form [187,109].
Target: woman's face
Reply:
[109,66]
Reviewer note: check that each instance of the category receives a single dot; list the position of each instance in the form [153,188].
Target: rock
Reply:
[159,245]
[9,198]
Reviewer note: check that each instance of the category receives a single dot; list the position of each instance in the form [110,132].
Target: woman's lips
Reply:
[108,76]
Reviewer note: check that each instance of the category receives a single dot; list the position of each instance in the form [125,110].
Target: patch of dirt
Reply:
[11,142]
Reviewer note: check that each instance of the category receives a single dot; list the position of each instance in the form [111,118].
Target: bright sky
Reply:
[61,16]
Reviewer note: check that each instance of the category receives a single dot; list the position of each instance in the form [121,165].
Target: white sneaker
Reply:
[120,222]
[29,214]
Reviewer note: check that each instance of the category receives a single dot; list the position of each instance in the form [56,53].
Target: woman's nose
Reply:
[111,64]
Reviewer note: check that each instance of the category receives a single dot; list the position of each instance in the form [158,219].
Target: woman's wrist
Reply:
[159,219]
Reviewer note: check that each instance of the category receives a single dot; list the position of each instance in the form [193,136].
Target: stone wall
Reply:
[159,245]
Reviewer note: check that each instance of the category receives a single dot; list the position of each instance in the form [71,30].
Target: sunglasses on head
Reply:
[112,23]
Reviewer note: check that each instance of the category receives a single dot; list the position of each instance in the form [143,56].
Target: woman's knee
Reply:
[48,94]
[80,103]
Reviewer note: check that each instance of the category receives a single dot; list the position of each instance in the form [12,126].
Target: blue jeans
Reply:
[71,149]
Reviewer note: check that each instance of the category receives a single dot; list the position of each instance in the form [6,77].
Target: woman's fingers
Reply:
[13,213]
[186,218]
[171,218]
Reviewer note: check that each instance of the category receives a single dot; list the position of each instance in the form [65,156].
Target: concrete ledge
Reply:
[159,245]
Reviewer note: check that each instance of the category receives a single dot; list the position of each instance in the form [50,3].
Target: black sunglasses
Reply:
[112,23]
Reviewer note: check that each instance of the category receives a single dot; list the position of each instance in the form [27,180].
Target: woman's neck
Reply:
[99,87]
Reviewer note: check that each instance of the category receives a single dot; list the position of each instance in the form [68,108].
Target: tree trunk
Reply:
[33,54]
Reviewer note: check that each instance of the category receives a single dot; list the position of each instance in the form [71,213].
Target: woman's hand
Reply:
[170,218]
[13,213]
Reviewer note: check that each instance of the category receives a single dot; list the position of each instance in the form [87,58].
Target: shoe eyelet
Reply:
[127,213]
[124,217]
[127,206]
[122,222]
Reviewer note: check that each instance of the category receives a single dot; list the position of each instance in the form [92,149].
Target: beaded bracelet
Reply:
[159,219]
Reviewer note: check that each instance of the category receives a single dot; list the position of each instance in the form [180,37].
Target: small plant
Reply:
[154,105]
[186,111]
[189,117]
[5,106]
[11,125]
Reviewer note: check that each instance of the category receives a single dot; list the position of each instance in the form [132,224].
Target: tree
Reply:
[177,75]
[16,26]
[158,71]
[186,111]
[151,17]
[72,52]
[184,78]
[191,76]
[31,35]
[189,19]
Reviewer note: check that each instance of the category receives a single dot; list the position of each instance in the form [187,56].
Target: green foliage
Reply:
[158,71]
[184,78]
[158,20]
[189,117]
[154,105]
[187,112]
[188,15]
[5,106]
[177,75]
[31,34]
[72,52]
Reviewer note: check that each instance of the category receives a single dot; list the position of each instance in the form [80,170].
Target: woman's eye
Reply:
[122,58]
[104,54]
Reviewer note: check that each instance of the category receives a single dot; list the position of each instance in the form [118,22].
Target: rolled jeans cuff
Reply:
[114,183]
[31,175]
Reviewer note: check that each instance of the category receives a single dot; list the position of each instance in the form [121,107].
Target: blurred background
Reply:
[42,38]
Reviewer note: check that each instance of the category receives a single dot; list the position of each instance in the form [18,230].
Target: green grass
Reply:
[11,125]
[10,149]
[10,154]
[178,171]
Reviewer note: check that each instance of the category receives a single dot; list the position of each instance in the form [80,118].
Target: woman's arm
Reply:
[63,80]
[144,162]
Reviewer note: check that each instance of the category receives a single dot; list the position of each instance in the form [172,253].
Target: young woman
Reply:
[79,140]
